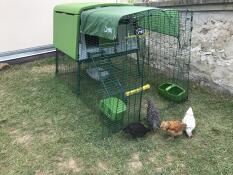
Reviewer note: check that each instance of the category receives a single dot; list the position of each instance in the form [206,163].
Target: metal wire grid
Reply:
[168,57]
[157,57]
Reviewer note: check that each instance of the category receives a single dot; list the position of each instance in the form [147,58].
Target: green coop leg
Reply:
[138,64]
[141,93]
[78,77]
[140,107]
[56,61]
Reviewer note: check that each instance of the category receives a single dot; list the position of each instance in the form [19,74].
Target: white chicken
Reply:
[190,122]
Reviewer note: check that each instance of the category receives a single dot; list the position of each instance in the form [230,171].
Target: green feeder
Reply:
[172,92]
[113,108]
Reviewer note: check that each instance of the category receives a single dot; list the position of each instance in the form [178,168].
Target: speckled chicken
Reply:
[152,115]
[174,127]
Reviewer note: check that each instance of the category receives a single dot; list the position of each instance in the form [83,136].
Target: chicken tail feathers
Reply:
[184,125]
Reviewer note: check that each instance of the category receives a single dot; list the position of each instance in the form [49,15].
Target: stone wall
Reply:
[212,49]
[212,41]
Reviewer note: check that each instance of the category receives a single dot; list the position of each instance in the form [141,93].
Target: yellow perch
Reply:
[137,90]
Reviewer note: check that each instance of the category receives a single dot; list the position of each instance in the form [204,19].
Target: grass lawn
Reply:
[46,129]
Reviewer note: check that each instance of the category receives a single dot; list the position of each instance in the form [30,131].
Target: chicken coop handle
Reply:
[137,90]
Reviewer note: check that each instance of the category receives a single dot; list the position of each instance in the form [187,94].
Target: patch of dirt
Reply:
[25,139]
[43,69]
[45,138]
[153,157]
[73,166]
[159,164]
[159,169]
[21,138]
[102,166]
[70,165]
[4,66]
[134,164]
[169,159]
[2,93]
[42,173]
[13,132]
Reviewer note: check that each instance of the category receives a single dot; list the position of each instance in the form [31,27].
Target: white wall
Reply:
[28,23]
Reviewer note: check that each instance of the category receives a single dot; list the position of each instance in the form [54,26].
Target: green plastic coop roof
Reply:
[103,22]
[77,8]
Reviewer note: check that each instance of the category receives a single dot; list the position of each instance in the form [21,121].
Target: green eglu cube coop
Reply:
[110,53]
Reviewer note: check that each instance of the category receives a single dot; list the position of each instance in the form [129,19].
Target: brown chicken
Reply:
[174,127]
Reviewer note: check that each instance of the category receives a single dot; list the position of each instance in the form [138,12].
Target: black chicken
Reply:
[152,115]
[136,130]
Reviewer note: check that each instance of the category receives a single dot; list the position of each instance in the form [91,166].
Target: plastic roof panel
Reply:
[77,8]
[103,22]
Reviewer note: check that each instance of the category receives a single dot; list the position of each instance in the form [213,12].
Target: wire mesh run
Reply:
[152,47]
[117,76]
[66,70]
[168,58]
[106,86]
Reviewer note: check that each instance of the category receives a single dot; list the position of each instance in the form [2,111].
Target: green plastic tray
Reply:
[113,108]
[172,92]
